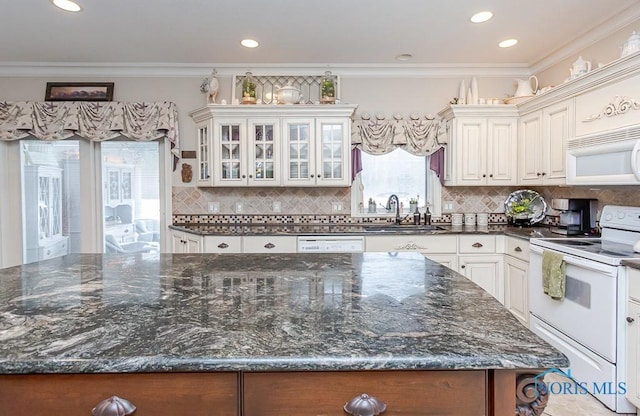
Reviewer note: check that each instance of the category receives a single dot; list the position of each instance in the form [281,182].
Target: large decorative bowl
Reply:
[525,207]
[289,95]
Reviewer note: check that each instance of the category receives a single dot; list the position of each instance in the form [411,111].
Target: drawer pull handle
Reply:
[269,245]
[223,245]
[113,406]
[630,319]
[477,245]
[126,230]
[364,405]
[517,249]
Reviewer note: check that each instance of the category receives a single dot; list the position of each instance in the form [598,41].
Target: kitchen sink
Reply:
[394,228]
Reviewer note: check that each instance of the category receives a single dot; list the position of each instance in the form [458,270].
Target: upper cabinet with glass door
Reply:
[273,145]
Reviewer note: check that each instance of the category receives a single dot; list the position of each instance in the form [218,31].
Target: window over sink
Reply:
[400,173]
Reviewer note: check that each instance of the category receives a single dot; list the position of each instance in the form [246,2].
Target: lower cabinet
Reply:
[222,244]
[633,337]
[403,392]
[516,277]
[480,262]
[425,244]
[182,242]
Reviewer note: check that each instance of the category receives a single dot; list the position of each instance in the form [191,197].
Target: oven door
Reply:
[587,314]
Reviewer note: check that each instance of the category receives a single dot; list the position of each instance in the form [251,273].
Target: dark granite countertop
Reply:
[633,263]
[357,229]
[94,313]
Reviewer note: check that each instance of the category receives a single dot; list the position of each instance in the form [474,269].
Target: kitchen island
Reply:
[205,334]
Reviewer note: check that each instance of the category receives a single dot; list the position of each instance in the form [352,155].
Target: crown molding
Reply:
[602,31]
[169,70]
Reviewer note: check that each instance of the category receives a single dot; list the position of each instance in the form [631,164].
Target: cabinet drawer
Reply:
[158,394]
[123,233]
[634,283]
[222,244]
[419,243]
[518,248]
[270,244]
[57,249]
[404,392]
[477,244]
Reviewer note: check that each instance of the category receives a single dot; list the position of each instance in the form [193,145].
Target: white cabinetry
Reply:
[301,145]
[182,242]
[481,145]
[479,262]
[516,277]
[543,136]
[118,185]
[633,337]
[269,244]
[221,244]
[439,248]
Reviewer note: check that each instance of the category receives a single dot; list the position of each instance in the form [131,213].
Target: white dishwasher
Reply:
[331,244]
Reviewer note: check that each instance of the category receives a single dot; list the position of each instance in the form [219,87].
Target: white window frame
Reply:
[11,232]
[433,198]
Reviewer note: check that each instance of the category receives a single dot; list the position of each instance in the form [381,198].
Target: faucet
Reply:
[395,198]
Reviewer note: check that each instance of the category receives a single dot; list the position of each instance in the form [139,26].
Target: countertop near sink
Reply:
[358,229]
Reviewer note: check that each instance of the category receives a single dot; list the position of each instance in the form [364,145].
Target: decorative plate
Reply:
[525,207]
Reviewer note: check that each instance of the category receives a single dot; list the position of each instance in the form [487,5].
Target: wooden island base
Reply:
[435,392]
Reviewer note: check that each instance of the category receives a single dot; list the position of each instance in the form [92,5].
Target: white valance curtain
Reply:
[96,121]
[417,135]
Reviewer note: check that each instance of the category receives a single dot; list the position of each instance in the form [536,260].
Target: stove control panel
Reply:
[620,217]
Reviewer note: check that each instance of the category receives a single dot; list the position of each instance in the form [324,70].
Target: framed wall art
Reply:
[79,91]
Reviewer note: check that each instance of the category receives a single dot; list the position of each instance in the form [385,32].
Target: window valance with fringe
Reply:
[95,121]
[417,135]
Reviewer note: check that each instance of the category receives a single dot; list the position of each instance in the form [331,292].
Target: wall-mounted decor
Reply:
[79,91]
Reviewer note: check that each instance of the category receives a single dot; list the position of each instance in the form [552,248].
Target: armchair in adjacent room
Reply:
[148,230]
[111,245]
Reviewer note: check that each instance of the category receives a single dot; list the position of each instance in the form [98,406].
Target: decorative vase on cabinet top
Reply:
[580,67]
[524,87]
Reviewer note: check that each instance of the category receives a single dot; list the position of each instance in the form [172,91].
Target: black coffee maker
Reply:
[577,216]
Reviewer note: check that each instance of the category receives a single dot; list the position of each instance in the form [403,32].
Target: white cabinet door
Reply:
[471,159]
[447,260]
[264,152]
[333,152]
[557,124]
[299,151]
[502,162]
[633,337]
[530,148]
[229,152]
[516,288]
[486,271]
[222,244]
[204,160]
[185,242]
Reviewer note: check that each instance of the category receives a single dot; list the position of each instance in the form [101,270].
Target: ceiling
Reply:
[300,32]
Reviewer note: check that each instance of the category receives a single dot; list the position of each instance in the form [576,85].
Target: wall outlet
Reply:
[336,207]
[238,207]
[214,207]
[277,206]
[447,206]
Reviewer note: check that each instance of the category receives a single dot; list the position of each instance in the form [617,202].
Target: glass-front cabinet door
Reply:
[203,142]
[299,151]
[333,159]
[230,143]
[264,152]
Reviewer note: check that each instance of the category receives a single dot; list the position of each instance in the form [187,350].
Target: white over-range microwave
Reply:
[612,158]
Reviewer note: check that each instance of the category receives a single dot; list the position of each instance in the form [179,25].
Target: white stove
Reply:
[588,324]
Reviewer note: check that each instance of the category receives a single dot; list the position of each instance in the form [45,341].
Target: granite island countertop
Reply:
[95,313]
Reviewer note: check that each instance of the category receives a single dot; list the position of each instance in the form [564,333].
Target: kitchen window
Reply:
[400,173]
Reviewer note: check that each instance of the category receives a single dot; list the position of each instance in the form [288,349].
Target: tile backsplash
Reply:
[321,201]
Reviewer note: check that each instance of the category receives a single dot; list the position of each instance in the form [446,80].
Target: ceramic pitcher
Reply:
[524,87]
[580,67]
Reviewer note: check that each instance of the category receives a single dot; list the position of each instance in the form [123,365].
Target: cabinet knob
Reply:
[491,175]
[113,406]
[364,405]
[126,230]
[250,176]
[484,175]
[244,176]
[311,176]
[517,249]
[269,245]
[223,245]
[476,245]
[538,174]
[544,173]
[630,319]
[462,266]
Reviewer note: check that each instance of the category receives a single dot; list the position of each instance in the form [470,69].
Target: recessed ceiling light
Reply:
[67,5]
[481,17]
[404,57]
[249,43]
[507,43]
